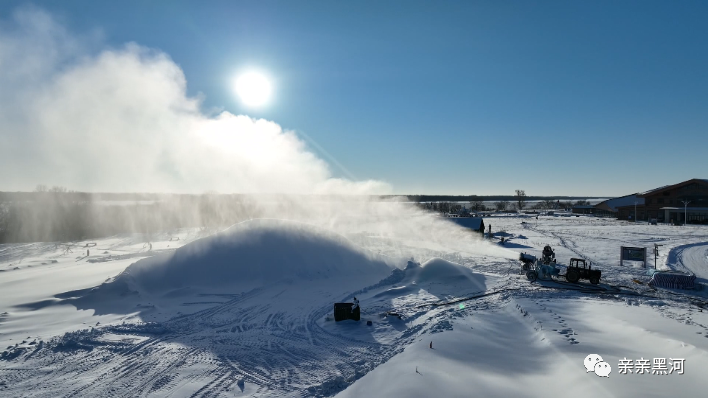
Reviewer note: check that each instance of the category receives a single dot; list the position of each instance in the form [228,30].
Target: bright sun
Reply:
[253,88]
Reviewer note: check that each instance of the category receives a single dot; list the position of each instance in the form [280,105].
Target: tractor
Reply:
[578,269]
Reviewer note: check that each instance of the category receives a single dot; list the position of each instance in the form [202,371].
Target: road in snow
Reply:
[692,258]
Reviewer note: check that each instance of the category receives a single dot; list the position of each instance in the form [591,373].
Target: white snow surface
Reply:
[248,312]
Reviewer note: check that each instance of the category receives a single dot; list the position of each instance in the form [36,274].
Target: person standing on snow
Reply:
[356,304]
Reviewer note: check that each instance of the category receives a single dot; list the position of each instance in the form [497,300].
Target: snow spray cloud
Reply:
[76,114]
[119,120]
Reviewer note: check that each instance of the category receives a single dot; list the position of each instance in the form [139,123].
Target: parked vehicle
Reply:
[546,268]
[579,269]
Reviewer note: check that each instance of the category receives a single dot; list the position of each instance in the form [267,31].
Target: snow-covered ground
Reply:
[248,312]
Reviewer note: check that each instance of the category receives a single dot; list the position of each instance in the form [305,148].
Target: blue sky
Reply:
[461,97]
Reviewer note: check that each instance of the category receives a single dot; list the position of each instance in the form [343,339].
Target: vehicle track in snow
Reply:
[277,347]
[565,242]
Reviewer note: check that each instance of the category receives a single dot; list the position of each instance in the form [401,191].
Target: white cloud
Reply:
[120,120]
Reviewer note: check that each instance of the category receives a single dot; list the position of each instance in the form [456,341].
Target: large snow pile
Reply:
[258,252]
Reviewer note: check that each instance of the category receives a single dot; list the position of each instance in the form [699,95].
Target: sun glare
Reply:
[253,88]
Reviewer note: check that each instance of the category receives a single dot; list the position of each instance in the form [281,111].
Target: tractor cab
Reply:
[577,262]
[579,269]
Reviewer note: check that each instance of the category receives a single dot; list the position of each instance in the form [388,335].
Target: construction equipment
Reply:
[527,261]
[542,270]
[545,268]
[548,256]
[579,269]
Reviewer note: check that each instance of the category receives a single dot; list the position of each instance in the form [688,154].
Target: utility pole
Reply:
[685,211]
[635,211]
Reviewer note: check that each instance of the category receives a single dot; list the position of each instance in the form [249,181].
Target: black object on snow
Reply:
[343,311]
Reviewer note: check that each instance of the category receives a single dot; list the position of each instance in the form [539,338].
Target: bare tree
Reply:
[549,204]
[4,219]
[520,199]
[40,188]
[566,205]
[477,205]
[501,205]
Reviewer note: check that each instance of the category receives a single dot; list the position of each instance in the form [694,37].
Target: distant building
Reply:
[610,207]
[665,204]
[583,209]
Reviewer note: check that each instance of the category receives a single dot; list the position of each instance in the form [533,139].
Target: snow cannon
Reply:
[541,270]
[527,260]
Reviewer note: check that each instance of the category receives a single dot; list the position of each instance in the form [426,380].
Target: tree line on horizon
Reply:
[517,202]
[56,214]
[128,196]
[63,216]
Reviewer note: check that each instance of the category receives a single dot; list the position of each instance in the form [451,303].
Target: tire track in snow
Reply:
[275,348]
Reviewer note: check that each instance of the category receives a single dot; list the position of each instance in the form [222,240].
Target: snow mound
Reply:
[438,277]
[439,270]
[436,269]
[255,253]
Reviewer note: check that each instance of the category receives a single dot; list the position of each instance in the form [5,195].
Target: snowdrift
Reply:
[437,270]
[438,277]
[255,253]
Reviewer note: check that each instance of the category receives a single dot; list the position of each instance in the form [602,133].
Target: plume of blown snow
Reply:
[78,114]
[120,120]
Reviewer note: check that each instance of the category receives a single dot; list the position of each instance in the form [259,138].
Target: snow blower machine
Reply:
[546,268]
[548,256]
[542,270]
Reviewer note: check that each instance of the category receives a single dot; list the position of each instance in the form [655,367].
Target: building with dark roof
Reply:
[666,204]
[583,209]
[610,207]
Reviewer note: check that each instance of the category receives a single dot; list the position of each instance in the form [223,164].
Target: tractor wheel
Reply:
[594,279]
[572,276]
[532,276]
